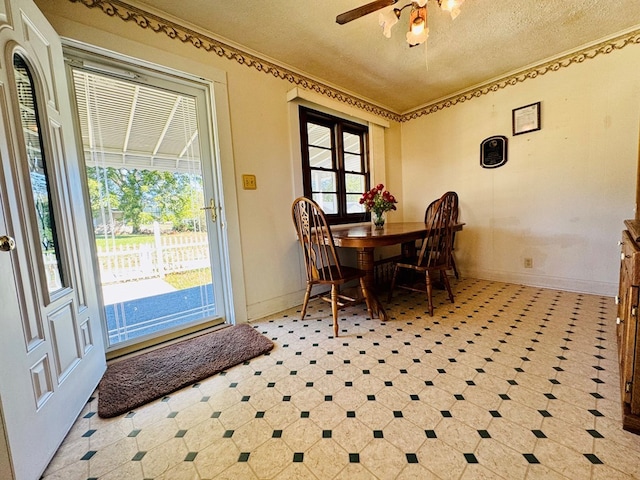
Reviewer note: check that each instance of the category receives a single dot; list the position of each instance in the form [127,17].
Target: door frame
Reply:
[233,288]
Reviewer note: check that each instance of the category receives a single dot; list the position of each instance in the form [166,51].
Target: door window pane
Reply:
[40,185]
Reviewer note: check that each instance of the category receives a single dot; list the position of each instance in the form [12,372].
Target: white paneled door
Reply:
[51,344]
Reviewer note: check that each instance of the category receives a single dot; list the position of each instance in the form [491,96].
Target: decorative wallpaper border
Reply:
[144,19]
[617,43]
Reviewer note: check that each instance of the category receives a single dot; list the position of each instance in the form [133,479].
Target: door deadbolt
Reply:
[7,243]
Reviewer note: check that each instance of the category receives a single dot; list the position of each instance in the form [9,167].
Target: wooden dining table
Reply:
[365,238]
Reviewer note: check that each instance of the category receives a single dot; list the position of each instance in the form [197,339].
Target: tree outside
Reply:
[146,196]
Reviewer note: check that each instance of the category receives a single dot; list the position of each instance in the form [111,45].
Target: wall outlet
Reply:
[249,182]
[528,262]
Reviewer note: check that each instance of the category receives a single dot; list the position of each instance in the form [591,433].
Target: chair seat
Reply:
[331,272]
[412,263]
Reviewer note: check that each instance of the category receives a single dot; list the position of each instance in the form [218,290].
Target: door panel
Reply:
[51,361]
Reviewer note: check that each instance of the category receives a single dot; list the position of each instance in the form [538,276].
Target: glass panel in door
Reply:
[40,187]
[148,190]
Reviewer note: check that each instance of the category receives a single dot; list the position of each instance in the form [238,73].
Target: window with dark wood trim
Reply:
[335,164]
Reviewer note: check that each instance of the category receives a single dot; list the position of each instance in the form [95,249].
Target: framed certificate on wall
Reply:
[526,119]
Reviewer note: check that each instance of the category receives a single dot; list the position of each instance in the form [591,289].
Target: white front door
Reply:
[51,344]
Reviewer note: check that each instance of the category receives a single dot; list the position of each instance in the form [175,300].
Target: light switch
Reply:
[249,182]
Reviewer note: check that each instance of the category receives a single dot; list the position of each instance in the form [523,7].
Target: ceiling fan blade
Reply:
[363,10]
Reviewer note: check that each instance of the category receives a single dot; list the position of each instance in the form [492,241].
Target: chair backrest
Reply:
[429,211]
[454,205]
[436,249]
[316,241]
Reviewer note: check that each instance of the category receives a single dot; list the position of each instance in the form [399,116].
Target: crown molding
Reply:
[158,24]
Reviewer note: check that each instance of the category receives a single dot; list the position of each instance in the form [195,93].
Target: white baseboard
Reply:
[284,302]
[274,305]
[544,281]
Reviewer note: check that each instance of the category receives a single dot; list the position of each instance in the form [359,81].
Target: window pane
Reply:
[352,163]
[320,158]
[38,175]
[353,203]
[351,142]
[327,201]
[355,183]
[323,181]
[319,135]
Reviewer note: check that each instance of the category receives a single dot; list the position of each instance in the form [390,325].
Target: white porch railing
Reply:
[169,254]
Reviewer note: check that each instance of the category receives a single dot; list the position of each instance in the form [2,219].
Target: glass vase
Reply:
[378,219]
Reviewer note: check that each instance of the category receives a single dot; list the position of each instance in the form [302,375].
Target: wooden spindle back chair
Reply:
[454,218]
[321,262]
[435,253]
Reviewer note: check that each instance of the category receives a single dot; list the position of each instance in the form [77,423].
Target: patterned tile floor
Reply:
[510,382]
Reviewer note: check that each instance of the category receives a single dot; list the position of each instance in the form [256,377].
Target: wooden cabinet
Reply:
[627,326]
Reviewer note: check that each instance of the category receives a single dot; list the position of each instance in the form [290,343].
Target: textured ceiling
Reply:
[488,40]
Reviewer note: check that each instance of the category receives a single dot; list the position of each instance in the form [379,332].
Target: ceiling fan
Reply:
[363,10]
[418,30]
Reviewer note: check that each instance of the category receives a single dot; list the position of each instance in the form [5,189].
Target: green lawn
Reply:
[124,240]
[188,279]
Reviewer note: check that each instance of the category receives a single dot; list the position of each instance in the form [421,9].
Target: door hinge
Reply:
[627,387]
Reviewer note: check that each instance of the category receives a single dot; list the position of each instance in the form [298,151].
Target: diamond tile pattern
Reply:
[509,382]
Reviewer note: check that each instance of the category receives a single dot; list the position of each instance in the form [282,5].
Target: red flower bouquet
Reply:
[378,201]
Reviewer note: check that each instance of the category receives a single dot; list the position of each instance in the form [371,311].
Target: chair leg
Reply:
[307,294]
[367,298]
[445,280]
[393,283]
[334,308]
[429,292]
[453,266]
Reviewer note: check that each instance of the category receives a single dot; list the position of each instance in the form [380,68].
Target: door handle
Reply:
[212,208]
[7,243]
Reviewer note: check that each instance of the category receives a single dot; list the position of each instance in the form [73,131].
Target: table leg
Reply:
[366,263]
[409,249]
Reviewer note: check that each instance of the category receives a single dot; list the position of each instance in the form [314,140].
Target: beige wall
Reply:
[560,199]
[562,196]
[268,269]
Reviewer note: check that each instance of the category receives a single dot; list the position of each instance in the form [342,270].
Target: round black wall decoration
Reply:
[493,152]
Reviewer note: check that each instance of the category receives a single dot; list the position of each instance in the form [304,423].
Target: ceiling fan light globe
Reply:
[387,20]
[418,25]
[413,39]
[452,6]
